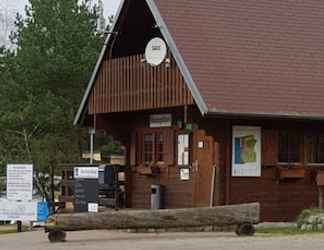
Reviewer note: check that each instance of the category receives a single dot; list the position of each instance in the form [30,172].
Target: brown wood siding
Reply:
[128,84]
[281,200]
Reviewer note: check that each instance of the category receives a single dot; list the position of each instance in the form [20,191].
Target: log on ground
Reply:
[167,218]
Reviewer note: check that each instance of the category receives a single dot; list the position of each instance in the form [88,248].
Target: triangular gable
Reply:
[174,51]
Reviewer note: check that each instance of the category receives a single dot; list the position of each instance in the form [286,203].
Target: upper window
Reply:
[315,148]
[289,147]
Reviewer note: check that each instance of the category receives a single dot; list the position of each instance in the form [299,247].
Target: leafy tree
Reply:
[41,84]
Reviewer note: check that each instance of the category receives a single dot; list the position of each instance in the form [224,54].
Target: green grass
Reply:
[5,229]
[282,231]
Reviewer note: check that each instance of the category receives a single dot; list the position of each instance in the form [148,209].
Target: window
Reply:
[159,147]
[148,147]
[315,148]
[153,147]
[289,147]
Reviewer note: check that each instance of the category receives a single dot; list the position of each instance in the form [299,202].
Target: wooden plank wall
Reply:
[128,84]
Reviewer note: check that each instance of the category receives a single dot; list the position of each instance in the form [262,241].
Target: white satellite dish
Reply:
[156,51]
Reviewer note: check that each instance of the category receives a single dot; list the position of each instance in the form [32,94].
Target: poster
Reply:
[19,182]
[183,150]
[246,151]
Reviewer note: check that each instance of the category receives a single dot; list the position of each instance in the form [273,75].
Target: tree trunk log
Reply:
[144,219]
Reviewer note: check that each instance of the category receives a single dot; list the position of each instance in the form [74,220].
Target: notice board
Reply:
[19,182]
[85,192]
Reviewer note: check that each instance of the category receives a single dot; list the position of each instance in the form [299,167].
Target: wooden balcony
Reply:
[129,84]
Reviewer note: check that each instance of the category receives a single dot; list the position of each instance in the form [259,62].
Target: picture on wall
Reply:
[246,151]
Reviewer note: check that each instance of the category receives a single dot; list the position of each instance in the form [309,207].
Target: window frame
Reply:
[291,133]
[317,135]
[155,151]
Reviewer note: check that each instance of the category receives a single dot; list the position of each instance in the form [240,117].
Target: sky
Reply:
[9,8]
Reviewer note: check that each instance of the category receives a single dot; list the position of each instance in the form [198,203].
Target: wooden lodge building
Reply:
[232,113]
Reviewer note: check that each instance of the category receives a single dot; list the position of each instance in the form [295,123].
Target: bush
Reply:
[305,214]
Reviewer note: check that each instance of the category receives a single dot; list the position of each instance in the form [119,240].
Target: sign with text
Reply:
[183,150]
[19,182]
[85,193]
[246,151]
[161,120]
[18,211]
[184,174]
[23,210]
[86,173]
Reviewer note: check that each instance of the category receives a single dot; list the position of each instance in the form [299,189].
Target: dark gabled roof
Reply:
[263,57]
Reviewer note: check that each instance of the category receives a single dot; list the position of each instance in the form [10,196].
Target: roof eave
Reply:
[178,58]
[96,68]
[277,115]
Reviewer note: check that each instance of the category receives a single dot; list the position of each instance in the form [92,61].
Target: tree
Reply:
[41,84]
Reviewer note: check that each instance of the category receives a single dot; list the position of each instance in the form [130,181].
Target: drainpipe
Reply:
[92,132]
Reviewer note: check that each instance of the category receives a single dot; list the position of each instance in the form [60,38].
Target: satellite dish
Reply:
[156,51]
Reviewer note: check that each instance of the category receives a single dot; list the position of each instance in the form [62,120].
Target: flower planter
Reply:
[294,173]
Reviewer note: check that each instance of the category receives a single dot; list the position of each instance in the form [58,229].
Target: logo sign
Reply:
[19,182]
[159,121]
[86,173]
[156,51]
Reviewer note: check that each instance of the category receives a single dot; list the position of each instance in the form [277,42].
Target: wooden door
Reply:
[203,162]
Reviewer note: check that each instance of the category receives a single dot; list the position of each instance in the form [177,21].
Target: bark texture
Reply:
[142,219]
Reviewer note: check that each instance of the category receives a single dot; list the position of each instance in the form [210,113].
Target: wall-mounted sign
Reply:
[93,207]
[246,151]
[19,182]
[183,150]
[86,173]
[185,174]
[156,51]
[161,120]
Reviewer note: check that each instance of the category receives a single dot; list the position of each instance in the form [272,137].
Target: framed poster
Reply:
[246,151]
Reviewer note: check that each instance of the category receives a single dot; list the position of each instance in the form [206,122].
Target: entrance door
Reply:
[203,163]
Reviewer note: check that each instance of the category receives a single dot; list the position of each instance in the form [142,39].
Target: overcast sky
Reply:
[8,9]
[18,5]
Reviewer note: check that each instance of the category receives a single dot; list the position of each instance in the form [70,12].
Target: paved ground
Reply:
[101,240]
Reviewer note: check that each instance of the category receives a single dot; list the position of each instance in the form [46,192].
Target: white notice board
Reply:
[183,149]
[19,182]
[18,211]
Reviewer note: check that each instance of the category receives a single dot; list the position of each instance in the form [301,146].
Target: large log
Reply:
[156,219]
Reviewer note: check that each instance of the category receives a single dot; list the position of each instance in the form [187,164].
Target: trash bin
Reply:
[156,197]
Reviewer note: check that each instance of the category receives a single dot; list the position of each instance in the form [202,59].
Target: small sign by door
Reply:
[185,174]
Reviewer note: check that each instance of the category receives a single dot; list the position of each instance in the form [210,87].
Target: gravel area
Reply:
[99,240]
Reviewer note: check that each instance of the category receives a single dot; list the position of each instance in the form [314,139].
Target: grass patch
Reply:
[11,229]
[282,231]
